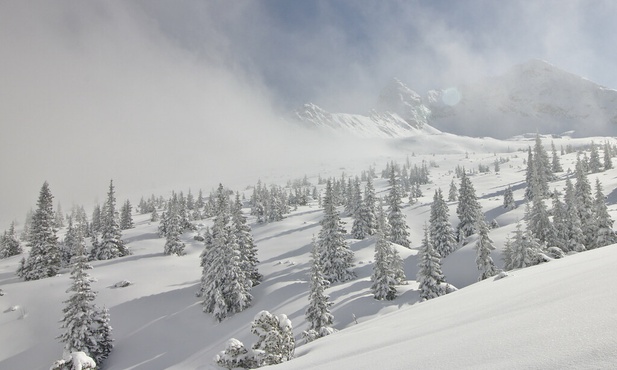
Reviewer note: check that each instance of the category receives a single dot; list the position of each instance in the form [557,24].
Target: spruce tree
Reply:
[525,250]
[529,173]
[126,217]
[585,206]
[604,224]
[608,163]
[335,256]
[555,163]
[10,245]
[86,327]
[538,222]
[276,340]
[484,246]
[399,231]
[384,279]
[111,245]
[430,278]
[224,285]
[559,223]
[440,229]
[543,166]
[453,192]
[173,228]
[508,199]
[469,211]
[246,246]
[318,313]
[575,237]
[594,159]
[44,259]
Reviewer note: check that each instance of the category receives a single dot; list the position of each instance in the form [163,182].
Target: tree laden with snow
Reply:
[537,216]
[399,231]
[575,237]
[335,256]
[384,278]
[585,206]
[484,246]
[236,355]
[555,163]
[318,313]
[246,246]
[111,245]
[508,199]
[9,243]
[594,159]
[440,229]
[524,250]
[224,285]
[126,216]
[608,163]
[469,211]
[452,192]
[431,280]
[44,259]
[86,327]
[604,223]
[75,361]
[173,228]
[276,338]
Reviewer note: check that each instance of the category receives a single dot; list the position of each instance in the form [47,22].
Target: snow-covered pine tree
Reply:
[575,237]
[95,226]
[399,231]
[44,259]
[604,223]
[384,280]
[469,211]
[453,192]
[538,222]
[246,246]
[555,163]
[559,223]
[173,228]
[525,250]
[276,338]
[508,199]
[236,355]
[126,217]
[594,159]
[529,174]
[360,228]
[370,207]
[318,313]
[543,166]
[59,217]
[111,245]
[10,245]
[608,163]
[82,332]
[484,246]
[585,206]
[431,280]
[440,229]
[335,256]
[224,285]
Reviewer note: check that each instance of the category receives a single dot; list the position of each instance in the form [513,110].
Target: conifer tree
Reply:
[453,192]
[59,217]
[538,222]
[508,199]
[440,229]
[469,211]
[95,226]
[399,231]
[604,224]
[10,245]
[384,279]
[86,327]
[430,278]
[543,166]
[529,173]
[608,163]
[525,250]
[575,237]
[318,313]
[555,163]
[594,159]
[224,285]
[173,228]
[126,218]
[276,338]
[335,256]
[484,246]
[111,245]
[25,232]
[44,259]
[584,206]
[246,246]
[559,223]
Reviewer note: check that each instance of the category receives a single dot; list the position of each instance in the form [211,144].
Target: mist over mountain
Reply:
[531,97]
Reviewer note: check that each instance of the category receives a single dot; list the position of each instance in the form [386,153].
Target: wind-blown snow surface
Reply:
[554,315]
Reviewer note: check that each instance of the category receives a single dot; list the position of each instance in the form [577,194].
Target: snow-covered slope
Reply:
[531,97]
[158,322]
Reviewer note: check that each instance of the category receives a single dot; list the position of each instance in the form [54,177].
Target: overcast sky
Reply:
[168,94]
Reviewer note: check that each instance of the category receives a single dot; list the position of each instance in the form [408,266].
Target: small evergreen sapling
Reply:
[484,246]
[318,313]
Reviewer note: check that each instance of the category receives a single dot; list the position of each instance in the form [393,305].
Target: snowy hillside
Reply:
[530,97]
[554,315]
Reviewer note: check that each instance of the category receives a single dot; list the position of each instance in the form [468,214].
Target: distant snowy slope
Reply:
[531,97]
[552,316]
